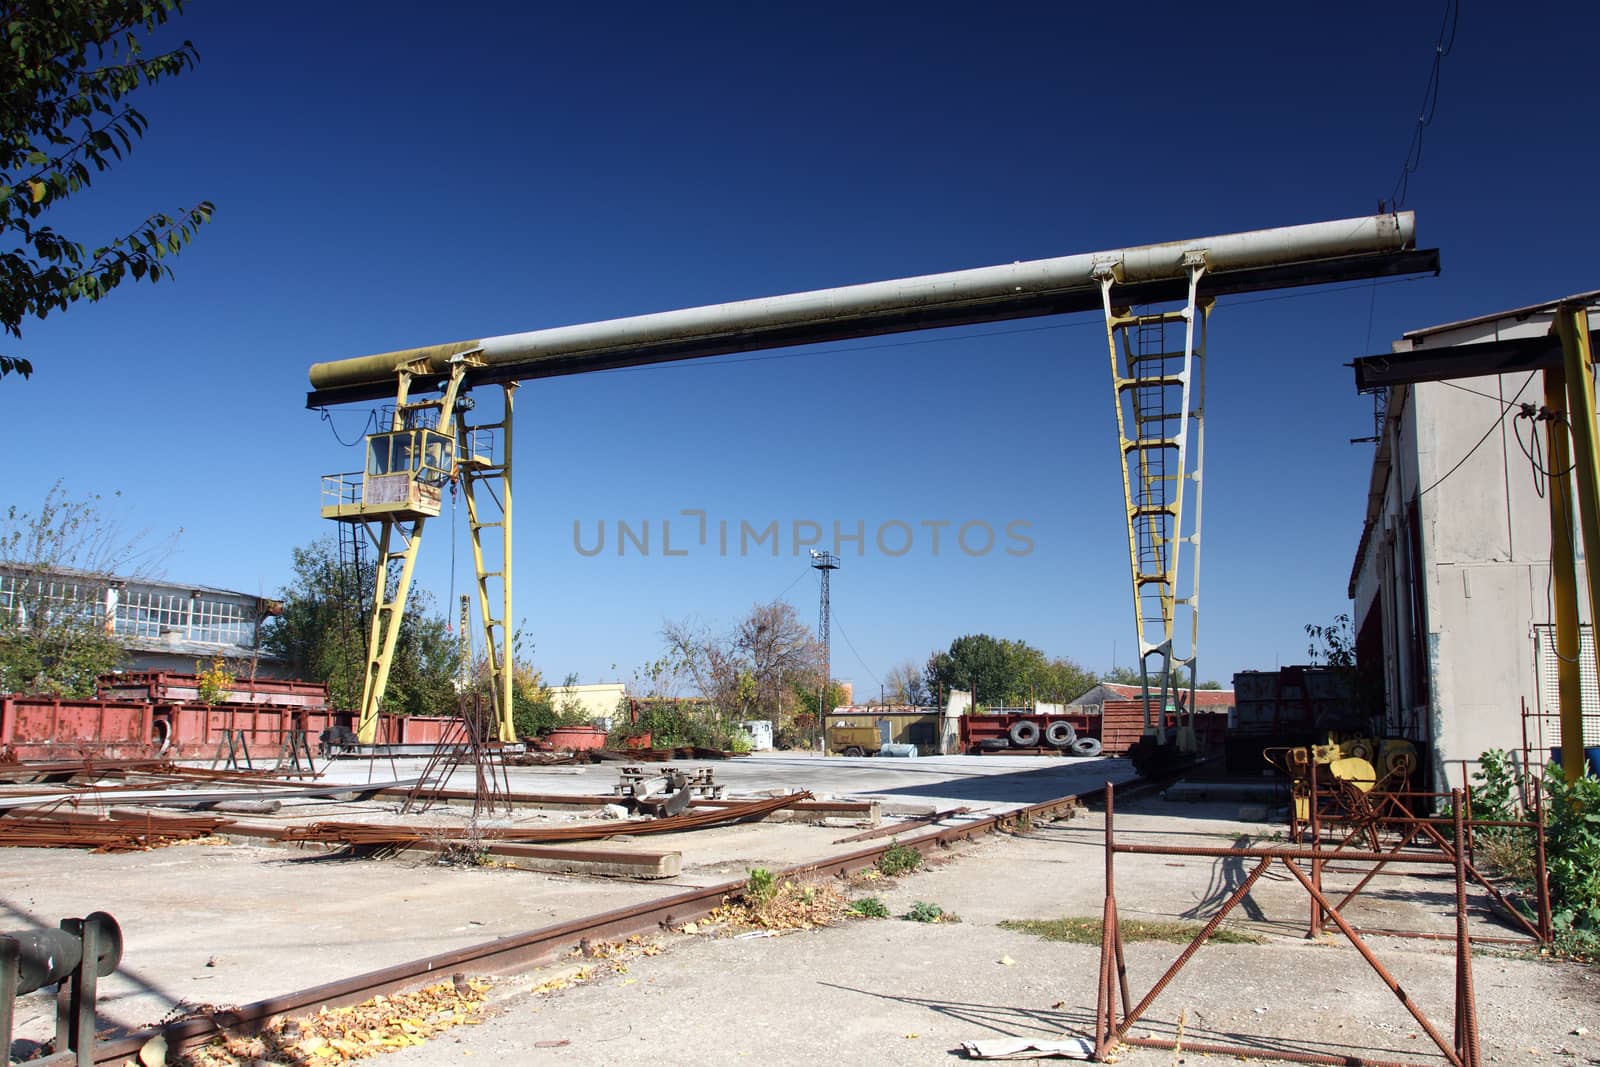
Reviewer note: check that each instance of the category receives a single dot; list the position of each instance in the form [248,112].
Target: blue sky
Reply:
[401,174]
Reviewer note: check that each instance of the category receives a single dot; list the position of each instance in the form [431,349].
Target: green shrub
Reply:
[1572,844]
[1572,851]
[870,908]
[899,859]
[761,888]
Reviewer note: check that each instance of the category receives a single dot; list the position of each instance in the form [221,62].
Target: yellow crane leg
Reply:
[1572,325]
[1563,571]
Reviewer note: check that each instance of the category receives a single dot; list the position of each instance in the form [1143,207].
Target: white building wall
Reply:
[1485,545]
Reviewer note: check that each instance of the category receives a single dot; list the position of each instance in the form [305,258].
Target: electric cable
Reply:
[1500,419]
[834,617]
[369,426]
[1430,102]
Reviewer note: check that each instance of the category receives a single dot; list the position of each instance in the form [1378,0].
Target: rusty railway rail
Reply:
[547,943]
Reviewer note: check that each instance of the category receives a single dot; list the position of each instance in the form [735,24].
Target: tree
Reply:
[64,117]
[750,671]
[323,634]
[1334,644]
[1059,680]
[777,652]
[1003,673]
[55,567]
[906,685]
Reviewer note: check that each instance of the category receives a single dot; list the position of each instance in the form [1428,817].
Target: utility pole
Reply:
[825,562]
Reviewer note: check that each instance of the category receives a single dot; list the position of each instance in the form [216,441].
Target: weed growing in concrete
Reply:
[925,912]
[899,859]
[1087,931]
[761,888]
[869,908]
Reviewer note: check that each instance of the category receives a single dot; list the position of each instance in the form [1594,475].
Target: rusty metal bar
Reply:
[902,827]
[1194,946]
[1109,1033]
[392,836]
[1382,972]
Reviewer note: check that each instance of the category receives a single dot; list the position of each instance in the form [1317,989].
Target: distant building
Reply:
[163,626]
[1451,579]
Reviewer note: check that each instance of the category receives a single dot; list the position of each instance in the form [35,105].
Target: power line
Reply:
[1430,102]
[853,651]
[800,577]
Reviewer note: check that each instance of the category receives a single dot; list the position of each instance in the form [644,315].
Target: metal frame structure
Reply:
[1112,1027]
[1195,271]
[395,530]
[1159,394]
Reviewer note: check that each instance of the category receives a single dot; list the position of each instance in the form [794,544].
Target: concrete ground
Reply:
[994,782]
[893,992]
[229,924]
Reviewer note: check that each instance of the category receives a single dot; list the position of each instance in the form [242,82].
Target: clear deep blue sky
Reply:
[396,174]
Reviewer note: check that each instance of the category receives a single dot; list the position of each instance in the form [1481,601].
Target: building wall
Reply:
[1462,511]
[598,699]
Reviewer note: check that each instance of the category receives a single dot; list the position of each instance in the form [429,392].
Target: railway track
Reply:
[548,943]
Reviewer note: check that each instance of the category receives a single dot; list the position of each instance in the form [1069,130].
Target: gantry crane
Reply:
[1159,390]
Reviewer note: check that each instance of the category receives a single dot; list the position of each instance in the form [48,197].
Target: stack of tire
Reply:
[1025,733]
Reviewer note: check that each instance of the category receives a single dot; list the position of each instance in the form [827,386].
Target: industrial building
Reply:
[1452,578]
[162,626]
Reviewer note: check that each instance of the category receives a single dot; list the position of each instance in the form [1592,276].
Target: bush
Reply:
[899,859]
[1572,844]
[1572,851]
[870,908]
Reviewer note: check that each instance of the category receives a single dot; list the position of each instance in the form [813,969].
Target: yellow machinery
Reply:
[427,447]
[1358,765]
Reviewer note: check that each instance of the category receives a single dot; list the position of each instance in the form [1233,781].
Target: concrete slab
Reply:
[904,994]
[905,785]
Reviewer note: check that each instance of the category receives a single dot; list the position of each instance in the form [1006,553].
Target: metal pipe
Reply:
[1012,290]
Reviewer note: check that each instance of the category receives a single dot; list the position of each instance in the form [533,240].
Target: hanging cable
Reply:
[1430,103]
[835,617]
[1500,419]
[367,427]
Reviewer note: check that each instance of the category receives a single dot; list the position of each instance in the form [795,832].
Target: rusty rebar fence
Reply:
[1113,1026]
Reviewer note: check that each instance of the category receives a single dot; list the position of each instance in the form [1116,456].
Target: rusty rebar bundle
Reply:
[67,830]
